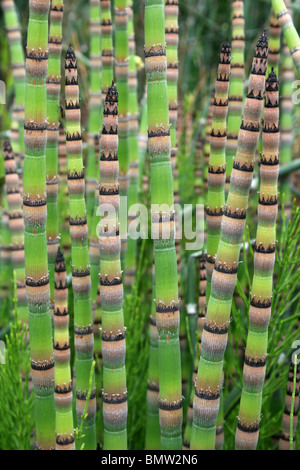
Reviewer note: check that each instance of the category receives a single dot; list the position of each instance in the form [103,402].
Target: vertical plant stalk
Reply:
[262,285]
[291,407]
[122,78]
[200,325]
[274,45]
[16,225]
[286,123]
[53,115]
[63,379]
[215,334]
[152,426]
[94,123]
[63,193]
[81,278]
[217,162]
[207,131]
[107,47]
[18,71]
[111,285]
[162,216]
[131,253]
[35,215]
[290,33]
[143,144]
[236,87]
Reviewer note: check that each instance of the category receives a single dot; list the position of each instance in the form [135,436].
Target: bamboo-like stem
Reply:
[81,279]
[215,334]
[94,123]
[286,122]
[236,87]
[63,194]
[35,215]
[63,380]
[143,142]
[18,70]
[16,225]
[111,285]
[131,252]
[122,78]
[200,325]
[217,162]
[172,40]
[274,45]
[53,115]
[107,47]
[152,426]
[162,215]
[262,286]
[284,442]
[290,33]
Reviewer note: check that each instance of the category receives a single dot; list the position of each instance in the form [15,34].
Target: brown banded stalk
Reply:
[63,379]
[133,131]
[262,285]
[53,115]
[291,408]
[163,233]
[215,334]
[122,80]
[217,160]
[81,278]
[111,284]
[35,216]
[16,226]
[236,87]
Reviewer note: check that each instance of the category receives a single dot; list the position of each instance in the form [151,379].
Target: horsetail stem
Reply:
[152,426]
[262,285]
[107,47]
[94,123]
[290,413]
[63,380]
[53,115]
[16,225]
[290,33]
[215,334]
[171,32]
[274,45]
[217,162]
[122,78]
[200,325]
[162,215]
[236,86]
[35,215]
[18,71]
[131,253]
[111,286]
[81,279]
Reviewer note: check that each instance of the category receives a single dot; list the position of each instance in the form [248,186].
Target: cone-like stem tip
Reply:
[70,55]
[272,78]
[263,40]
[59,256]
[112,93]
[7,146]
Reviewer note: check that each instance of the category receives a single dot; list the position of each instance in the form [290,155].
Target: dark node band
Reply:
[248,429]
[49,365]
[109,338]
[207,396]
[80,273]
[82,396]
[216,329]
[235,214]
[65,441]
[104,281]
[249,127]
[174,307]
[83,331]
[153,387]
[224,269]
[261,249]
[115,400]
[155,53]
[255,362]
[247,167]
[79,221]
[167,406]
[158,133]
[214,212]
[261,303]
[40,283]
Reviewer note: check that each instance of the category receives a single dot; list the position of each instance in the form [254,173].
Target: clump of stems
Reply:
[35,215]
[262,284]
[81,279]
[215,334]
[111,284]
[162,216]
[63,380]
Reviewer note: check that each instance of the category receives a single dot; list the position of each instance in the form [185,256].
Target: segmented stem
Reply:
[35,215]
[262,284]
[81,278]
[111,285]
[162,215]
[284,442]
[215,334]
[63,379]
